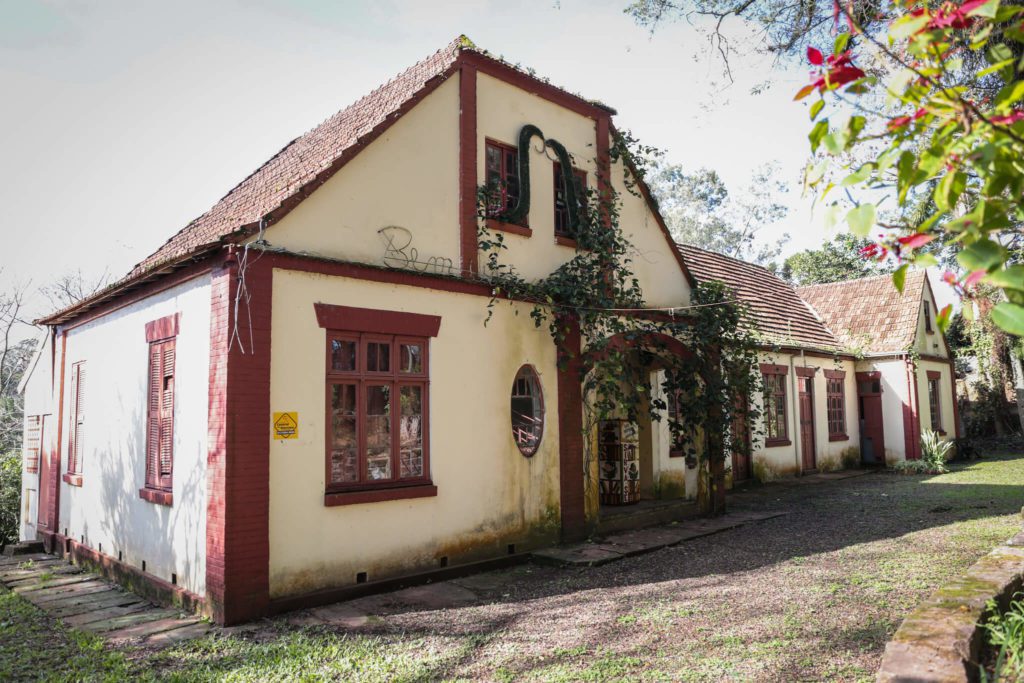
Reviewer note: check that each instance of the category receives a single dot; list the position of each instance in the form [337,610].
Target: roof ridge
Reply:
[733,258]
[857,279]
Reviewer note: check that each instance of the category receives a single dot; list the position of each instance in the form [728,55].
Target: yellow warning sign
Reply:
[286,425]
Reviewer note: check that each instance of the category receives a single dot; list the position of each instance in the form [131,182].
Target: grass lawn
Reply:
[812,595]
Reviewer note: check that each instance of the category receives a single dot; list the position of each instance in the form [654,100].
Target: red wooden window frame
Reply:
[934,406]
[363,377]
[162,364]
[776,414]
[835,402]
[562,228]
[76,424]
[501,172]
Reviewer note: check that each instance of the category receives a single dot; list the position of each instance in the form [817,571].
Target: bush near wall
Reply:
[10,496]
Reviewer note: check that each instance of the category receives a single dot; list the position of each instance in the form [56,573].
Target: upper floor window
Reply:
[927,317]
[933,402]
[376,410]
[562,227]
[502,178]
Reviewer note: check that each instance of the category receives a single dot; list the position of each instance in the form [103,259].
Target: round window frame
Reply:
[541,405]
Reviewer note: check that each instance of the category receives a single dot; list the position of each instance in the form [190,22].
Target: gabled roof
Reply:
[870,314]
[310,160]
[778,313]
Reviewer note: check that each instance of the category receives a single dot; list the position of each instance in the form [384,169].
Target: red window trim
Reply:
[835,374]
[504,147]
[531,371]
[500,225]
[379,494]
[782,439]
[340,493]
[933,374]
[374,321]
[162,328]
[832,376]
[805,371]
[556,172]
[770,369]
[72,478]
[157,496]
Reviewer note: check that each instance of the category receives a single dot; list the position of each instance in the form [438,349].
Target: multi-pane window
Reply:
[33,442]
[76,425]
[160,415]
[502,178]
[836,404]
[376,410]
[527,411]
[933,403]
[775,407]
[562,226]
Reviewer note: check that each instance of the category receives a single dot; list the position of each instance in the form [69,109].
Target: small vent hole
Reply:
[444,561]
[174,579]
[120,556]
[143,565]
[361,577]
[511,548]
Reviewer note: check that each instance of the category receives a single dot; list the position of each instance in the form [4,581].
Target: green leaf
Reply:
[1009,95]
[858,176]
[925,260]
[816,172]
[943,318]
[984,254]
[906,25]
[899,277]
[1000,52]
[949,189]
[1011,277]
[855,126]
[816,108]
[835,143]
[995,67]
[841,42]
[906,166]
[988,10]
[861,219]
[1010,317]
[832,215]
[817,133]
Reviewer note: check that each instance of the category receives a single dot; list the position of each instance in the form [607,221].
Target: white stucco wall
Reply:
[489,495]
[105,512]
[38,395]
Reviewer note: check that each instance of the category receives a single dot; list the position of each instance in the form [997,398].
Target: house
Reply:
[297,394]
[853,371]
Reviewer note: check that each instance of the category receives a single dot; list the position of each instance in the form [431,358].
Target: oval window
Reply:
[527,410]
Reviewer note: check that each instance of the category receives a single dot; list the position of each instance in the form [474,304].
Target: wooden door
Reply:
[740,440]
[807,422]
[43,486]
[869,413]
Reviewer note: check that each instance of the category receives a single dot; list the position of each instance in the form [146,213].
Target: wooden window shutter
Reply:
[77,418]
[33,443]
[153,415]
[166,458]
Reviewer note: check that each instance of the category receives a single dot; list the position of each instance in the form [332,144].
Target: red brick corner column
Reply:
[238,460]
[570,435]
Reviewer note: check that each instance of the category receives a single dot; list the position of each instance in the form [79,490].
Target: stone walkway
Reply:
[85,601]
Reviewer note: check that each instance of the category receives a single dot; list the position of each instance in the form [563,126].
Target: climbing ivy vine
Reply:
[597,294]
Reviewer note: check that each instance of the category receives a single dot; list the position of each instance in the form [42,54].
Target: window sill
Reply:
[495,224]
[72,479]
[838,437]
[940,432]
[676,454]
[772,443]
[156,496]
[377,495]
[566,241]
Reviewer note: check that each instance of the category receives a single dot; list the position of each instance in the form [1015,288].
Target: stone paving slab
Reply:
[86,601]
[629,543]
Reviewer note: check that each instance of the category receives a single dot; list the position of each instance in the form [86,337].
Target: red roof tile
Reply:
[869,314]
[778,313]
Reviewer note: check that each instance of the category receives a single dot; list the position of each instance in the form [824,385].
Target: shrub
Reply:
[1006,637]
[10,496]
[934,451]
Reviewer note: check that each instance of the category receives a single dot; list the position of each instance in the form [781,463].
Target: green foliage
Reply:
[836,260]
[10,496]
[596,295]
[1005,634]
[700,210]
[934,451]
[934,142]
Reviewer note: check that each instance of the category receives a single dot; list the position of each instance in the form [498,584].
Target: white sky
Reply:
[121,121]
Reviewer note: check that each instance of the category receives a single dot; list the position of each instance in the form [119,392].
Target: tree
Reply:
[699,209]
[840,259]
[935,139]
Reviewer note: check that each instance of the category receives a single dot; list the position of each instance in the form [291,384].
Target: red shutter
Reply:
[77,418]
[153,415]
[166,458]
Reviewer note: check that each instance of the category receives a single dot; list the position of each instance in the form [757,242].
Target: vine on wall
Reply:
[598,293]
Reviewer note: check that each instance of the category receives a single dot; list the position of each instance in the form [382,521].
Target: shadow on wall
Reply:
[168,538]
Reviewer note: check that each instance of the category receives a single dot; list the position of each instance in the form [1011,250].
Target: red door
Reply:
[869,409]
[807,422]
[740,438]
